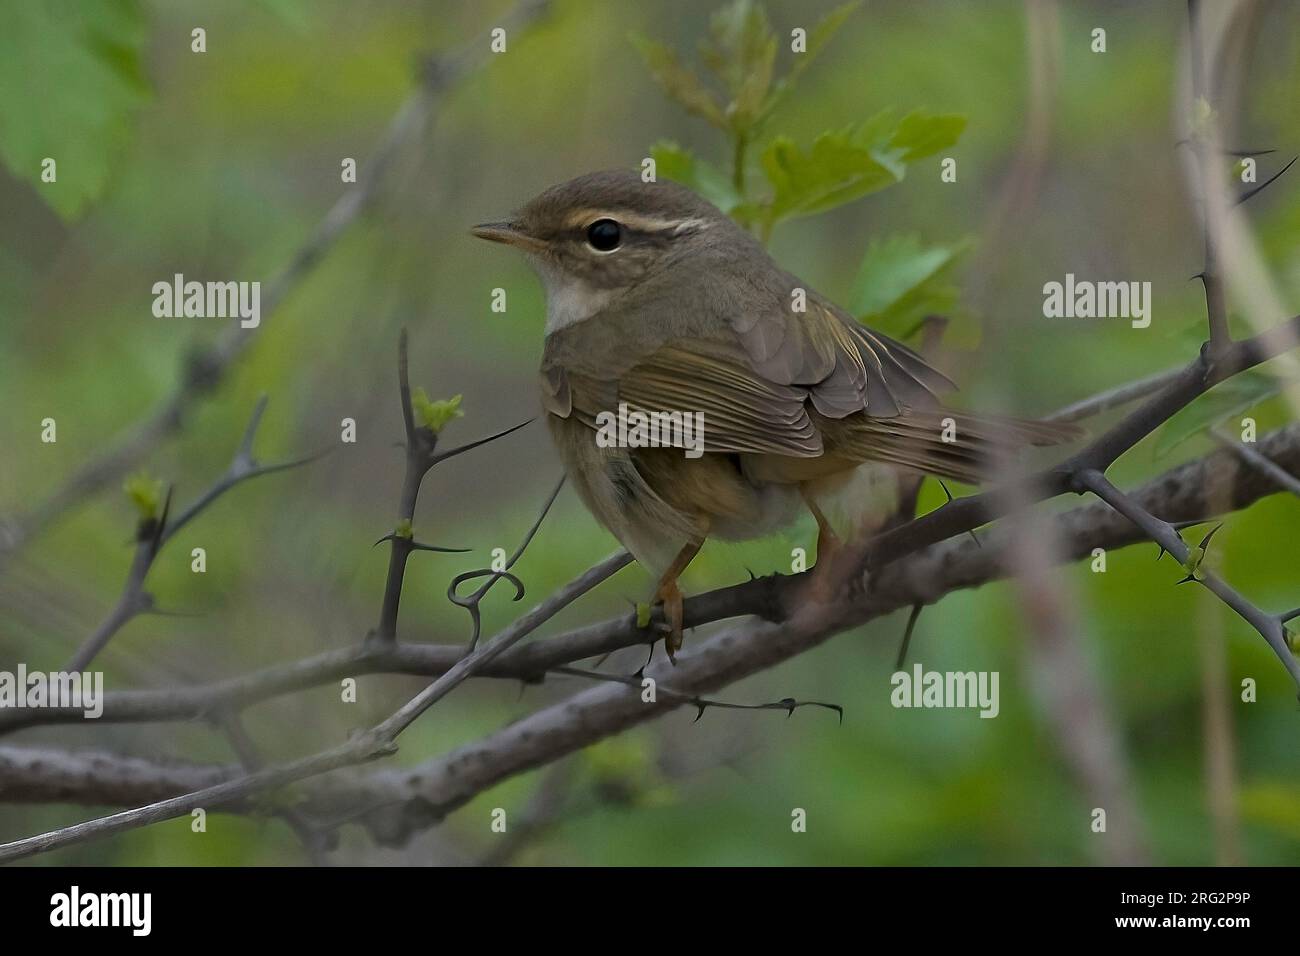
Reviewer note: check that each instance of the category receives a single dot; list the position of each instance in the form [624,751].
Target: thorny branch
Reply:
[403,801]
[421,455]
[637,680]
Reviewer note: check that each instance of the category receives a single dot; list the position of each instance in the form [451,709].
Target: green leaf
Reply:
[844,165]
[901,281]
[921,134]
[834,171]
[72,80]
[741,52]
[434,415]
[681,165]
[679,81]
[1224,401]
[146,494]
[891,269]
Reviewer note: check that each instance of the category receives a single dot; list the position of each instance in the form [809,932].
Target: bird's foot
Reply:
[674,614]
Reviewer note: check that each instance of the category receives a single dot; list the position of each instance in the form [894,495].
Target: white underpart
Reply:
[569,299]
[861,505]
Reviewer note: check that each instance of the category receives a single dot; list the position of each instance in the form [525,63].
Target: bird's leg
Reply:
[671,595]
[828,542]
[828,545]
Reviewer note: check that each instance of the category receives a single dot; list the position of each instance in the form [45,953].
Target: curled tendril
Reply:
[472,601]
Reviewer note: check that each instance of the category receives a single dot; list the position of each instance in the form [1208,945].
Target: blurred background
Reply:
[219,165]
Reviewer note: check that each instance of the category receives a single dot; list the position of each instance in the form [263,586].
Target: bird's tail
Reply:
[959,445]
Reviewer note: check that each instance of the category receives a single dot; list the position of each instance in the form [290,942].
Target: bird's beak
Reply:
[508,233]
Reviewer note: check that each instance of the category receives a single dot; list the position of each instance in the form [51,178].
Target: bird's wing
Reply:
[742,412]
[755,380]
[845,366]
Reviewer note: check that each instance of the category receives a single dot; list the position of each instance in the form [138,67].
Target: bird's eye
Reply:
[604,235]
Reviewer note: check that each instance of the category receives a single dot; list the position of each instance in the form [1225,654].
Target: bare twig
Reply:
[1114,397]
[637,680]
[316,842]
[1250,456]
[155,531]
[1206,150]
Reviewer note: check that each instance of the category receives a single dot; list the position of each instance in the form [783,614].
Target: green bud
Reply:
[434,415]
[146,493]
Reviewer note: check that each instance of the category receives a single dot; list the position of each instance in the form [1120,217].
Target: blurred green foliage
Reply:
[219,164]
[73,79]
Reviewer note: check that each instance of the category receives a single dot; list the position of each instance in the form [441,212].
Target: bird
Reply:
[660,307]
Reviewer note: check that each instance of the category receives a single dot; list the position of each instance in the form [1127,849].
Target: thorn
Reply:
[418,546]
[1266,183]
[944,486]
[162,612]
[246,445]
[155,543]
[701,711]
[907,635]
[948,492]
[443,456]
[1205,542]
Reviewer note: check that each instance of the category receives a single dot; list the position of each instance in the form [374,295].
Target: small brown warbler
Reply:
[738,391]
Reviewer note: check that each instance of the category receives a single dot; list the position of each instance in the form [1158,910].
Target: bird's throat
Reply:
[569,299]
